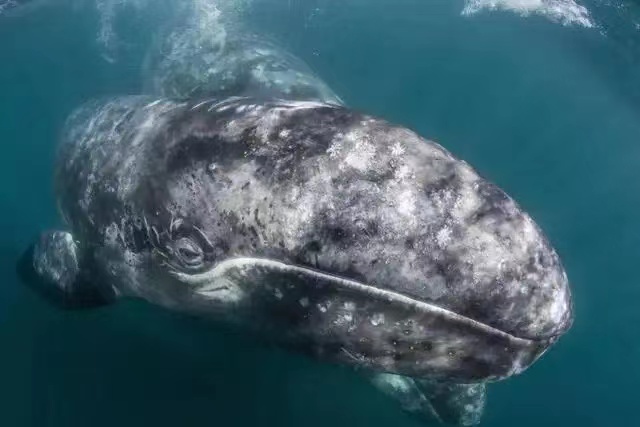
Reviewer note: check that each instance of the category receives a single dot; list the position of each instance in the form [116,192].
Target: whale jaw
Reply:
[345,321]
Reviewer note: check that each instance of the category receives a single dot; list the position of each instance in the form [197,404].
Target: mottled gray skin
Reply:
[190,63]
[333,232]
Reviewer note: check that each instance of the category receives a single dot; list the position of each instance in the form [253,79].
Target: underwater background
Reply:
[542,97]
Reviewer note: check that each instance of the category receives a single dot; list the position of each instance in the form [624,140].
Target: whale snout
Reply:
[505,272]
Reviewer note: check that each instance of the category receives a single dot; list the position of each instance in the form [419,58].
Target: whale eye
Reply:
[189,252]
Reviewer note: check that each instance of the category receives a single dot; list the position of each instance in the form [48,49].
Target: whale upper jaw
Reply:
[347,321]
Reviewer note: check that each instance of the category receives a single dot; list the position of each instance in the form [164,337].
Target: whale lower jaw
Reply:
[212,283]
[303,303]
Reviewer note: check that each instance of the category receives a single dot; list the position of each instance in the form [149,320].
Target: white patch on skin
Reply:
[442,199]
[215,285]
[556,311]
[351,306]
[335,149]
[344,319]
[467,201]
[406,203]
[284,133]
[130,258]
[377,319]
[267,123]
[304,302]
[303,204]
[397,149]
[362,152]
[403,173]
[443,237]
[111,234]
[234,127]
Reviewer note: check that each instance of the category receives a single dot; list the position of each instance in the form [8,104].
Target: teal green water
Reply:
[549,112]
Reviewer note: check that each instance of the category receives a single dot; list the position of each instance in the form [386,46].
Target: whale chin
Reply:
[341,320]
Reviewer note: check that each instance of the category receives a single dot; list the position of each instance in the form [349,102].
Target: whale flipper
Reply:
[406,392]
[455,404]
[445,403]
[52,267]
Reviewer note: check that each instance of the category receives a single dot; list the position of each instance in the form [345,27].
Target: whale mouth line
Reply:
[208,282]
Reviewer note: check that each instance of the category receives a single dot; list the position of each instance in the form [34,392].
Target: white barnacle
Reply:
[284,133]
[334,150]
[406,203]
[278,293]
[349,305]
[304,302]
[377,319]
[443,237]
[346,318]
[397,149]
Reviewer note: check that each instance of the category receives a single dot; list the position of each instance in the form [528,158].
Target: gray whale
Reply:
[334,232]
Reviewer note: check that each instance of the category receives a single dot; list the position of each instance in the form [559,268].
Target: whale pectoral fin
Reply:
[406,392]
[455,404]
[434,402]
[52,267]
